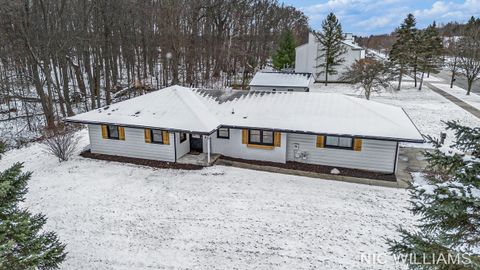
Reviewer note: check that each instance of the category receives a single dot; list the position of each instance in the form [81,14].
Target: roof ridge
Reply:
[199,104]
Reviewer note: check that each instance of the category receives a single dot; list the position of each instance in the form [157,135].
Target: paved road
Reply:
[460,80]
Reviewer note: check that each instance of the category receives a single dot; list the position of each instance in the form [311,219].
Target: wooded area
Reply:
[77,55]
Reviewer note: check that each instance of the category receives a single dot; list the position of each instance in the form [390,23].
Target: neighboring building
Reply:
[281,81]
[316,128]
[306,57]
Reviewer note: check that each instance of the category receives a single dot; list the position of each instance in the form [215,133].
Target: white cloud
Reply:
[371,16]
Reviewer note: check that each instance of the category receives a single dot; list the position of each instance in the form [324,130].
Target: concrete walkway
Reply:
[467,107]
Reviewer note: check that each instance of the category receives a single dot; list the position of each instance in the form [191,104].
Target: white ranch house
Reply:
[316,128]
[306,57]
[281,81]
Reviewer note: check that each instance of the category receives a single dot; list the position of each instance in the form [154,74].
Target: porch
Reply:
[198,159]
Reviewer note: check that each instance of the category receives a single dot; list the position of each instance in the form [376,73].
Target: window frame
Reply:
[326,145]
[261,137]
[182,136]
[152,138]
[109,136]
[223,137]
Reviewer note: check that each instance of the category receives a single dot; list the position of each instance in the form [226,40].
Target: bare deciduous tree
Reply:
[369,75]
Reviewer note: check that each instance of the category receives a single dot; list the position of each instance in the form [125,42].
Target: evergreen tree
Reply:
[402,50]
[284,57]
[447,201]
[23,242]
[332,48]
[430,51]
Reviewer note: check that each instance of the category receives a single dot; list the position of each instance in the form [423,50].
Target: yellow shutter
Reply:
[320,141]
[357,144]
[245,136]
[121,133]
[277,139]
[148,135]
[165,137]
[104,132]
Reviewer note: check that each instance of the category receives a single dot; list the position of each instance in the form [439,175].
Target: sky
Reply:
[366,17]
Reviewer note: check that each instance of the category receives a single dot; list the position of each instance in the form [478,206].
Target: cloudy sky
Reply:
[364,17]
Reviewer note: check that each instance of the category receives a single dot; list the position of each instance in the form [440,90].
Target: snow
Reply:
[426,108]
[460,93]
[281,79]
[200,111]
[173,108]
[120,216]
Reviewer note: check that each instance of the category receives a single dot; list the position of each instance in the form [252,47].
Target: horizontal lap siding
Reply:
[133,146]
[375,155]
[233,147]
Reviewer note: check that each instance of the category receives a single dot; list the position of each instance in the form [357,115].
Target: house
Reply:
[314,128]
[281,81]
[307,58]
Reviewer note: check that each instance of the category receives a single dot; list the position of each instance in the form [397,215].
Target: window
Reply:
[223,133]
[262,137]
[113,132]
[290,90]
[183,137]
[157,136]
[339,142]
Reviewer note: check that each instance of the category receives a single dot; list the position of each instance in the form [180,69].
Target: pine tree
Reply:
[23,242]
[332,48]
[430,51]
[447,201]
[284,57]
[401,53]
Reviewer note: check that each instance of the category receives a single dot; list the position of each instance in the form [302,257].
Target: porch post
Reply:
[208,150]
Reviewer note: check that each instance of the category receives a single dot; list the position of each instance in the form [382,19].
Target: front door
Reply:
[196,143]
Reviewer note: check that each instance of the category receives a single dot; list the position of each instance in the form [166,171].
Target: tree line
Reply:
[76,55]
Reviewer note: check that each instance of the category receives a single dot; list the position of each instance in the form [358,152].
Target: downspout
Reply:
[208,150]
[175,145]
[396,159]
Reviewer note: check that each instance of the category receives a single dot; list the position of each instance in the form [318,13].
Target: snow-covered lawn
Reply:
[426,108]
[121,216]
[460,93]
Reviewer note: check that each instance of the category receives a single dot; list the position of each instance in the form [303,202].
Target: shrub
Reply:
[61,142]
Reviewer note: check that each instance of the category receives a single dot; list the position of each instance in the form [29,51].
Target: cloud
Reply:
[366,17]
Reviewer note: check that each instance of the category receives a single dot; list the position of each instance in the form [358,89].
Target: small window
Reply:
[113,132]
[157,136]
[223,133]
[290,90]
[261,137]
[183,137]
[339,142]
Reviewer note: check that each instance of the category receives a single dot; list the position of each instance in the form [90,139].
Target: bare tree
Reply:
[468,52]
[61,142]
[369,75]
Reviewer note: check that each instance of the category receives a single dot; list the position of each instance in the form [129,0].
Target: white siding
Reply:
[133,146]
[182,147]
[376,155]
[277,88]
[233,147]
[306,59]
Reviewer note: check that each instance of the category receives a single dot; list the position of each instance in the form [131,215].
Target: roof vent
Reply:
[233,111]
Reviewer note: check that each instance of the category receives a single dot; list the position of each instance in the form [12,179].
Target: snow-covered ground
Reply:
[460,93]
[426,108]
[121,216]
